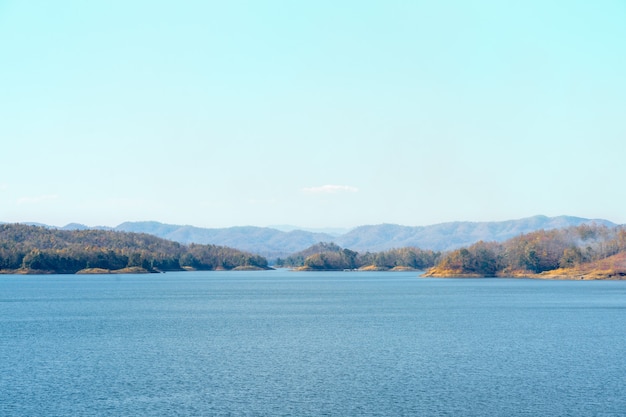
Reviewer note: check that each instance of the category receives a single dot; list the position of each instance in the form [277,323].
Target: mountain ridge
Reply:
[273,243]
[453,235]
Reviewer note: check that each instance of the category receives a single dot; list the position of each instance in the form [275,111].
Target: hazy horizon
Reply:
[287,227]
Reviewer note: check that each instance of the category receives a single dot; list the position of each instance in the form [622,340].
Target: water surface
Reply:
[285,343]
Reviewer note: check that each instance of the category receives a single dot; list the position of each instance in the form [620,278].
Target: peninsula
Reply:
[588,252]
[28,249]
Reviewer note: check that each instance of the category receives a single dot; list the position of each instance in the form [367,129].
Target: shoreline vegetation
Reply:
[129,270]
[331,257]
[368,268]
[586,252]
[613,269]
[28,249]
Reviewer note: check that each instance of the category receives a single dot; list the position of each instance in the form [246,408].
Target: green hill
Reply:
[37,249]
[329,256]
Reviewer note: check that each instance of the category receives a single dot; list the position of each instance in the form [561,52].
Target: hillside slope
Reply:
[448,236]
[612,268]
[30,249]
[274,243]
[578,252]
[261,240]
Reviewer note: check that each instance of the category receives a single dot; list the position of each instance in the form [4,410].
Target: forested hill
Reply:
[329,256]
[36,249]
[582,252]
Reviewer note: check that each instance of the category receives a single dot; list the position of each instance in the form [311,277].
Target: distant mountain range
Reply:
[273,243]
[453,235]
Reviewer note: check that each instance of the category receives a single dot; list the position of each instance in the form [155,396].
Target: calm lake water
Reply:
[296,344]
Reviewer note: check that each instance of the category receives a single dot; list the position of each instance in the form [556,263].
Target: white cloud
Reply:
[37,199]
[330,189]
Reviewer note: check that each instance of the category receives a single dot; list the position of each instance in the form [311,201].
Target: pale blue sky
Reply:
[317,114]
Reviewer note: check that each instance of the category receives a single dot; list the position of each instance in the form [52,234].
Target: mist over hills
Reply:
[273,243]
[333,231]
[453,235]
[264,241]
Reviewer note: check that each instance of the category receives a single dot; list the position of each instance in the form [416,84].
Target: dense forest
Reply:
[329,256]
[564,250]
[26,248]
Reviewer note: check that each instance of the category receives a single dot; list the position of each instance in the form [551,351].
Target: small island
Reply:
[331,257]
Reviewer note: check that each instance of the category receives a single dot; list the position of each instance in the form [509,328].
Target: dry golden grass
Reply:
[448,273]
[613,268]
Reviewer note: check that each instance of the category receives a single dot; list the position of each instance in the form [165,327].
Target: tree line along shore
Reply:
[581,252]
[35,249]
